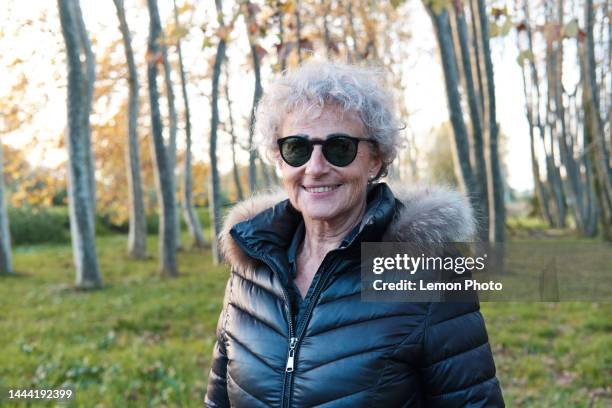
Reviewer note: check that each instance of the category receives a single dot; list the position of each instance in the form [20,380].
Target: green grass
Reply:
[146,341]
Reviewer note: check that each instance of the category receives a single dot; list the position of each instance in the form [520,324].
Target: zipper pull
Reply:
[291,358]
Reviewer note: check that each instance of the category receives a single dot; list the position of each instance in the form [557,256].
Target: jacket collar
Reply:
[262,227]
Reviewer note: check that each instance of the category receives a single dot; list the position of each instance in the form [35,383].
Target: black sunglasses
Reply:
[338,149]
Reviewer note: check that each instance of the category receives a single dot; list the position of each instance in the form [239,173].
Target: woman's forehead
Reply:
[326,119]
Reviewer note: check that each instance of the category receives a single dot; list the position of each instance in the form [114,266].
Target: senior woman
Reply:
[293,331]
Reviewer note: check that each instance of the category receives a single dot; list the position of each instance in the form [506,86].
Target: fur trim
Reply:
[431,214]
[244,210]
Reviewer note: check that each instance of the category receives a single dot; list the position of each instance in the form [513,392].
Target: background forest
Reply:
[126,133]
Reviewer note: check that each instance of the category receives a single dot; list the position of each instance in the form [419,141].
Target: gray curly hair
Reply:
[350,87]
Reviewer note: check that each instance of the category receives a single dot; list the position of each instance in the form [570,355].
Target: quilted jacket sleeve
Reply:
[216,391]
[458,368]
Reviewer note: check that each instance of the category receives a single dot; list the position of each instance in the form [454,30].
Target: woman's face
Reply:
[348,184]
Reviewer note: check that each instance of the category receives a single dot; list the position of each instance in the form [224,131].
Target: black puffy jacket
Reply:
[346,353]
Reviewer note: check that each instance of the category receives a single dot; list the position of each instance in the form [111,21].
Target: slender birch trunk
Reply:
[230,117]
[172,116]
[189,212]
[461,148]
[495,187]
[477,155]
[137,235]
[88,90]
[250,19]
[79,181]
[215,188]
[163,163]
[6,261]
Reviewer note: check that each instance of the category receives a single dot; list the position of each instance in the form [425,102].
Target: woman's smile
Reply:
[321,190]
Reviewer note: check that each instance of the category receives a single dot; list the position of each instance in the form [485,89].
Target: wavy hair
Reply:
[350,87]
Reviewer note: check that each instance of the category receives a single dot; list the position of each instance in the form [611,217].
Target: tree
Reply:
[477,156]
[173,124]
[191,217]
[595,128]
[565,126]
[6,263]
[495,182]
[461,147]
[163,164]
[230,119]
[137,235]
[215,188]
[478,171]
[249,12]
[79,184]
[88,90]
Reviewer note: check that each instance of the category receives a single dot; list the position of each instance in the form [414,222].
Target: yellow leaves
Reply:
[37,189]
[570,30]
[185,8]
[500,30]
[287,6]
[523,56]
[175,33]
[17,61]
[437,6]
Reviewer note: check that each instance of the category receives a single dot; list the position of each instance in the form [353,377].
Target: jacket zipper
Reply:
[293,339]
[294,342]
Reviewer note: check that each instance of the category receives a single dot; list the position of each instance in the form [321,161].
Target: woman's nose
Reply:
[317,164]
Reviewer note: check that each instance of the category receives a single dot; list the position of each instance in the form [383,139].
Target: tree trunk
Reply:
[476,50]
[250,19]
[597,143]
[172,137]
[595,92]
[163,167]
[575,188]
[477,152]
[497,211]
[6,262]
[230,116]
[189,212]
[79,182]
[535,168]
[537,122]
[215,187]
[137,235]
[461,148]
[88,90]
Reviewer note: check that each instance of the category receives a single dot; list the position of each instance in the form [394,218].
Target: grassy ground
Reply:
[146,341]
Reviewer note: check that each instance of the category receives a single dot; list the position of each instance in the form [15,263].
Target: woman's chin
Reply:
[320,212]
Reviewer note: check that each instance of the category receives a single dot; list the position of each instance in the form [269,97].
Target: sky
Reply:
[425,97]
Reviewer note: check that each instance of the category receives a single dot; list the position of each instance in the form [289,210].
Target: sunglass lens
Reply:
[295,151]
[340,151]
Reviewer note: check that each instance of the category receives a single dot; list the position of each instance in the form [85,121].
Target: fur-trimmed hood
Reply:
[428,214]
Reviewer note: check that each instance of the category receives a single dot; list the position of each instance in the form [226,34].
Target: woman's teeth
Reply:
[322,189]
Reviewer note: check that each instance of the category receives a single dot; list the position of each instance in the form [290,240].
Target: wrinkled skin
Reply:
[346,202]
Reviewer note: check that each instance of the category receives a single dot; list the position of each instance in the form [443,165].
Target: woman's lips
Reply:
[321,189]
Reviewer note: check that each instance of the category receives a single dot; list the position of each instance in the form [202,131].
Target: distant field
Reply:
[146,341]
